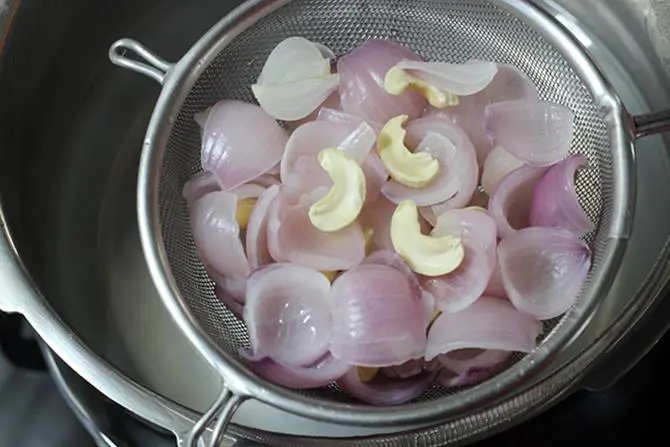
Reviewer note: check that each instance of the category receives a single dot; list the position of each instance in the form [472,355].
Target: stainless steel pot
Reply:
[71,128]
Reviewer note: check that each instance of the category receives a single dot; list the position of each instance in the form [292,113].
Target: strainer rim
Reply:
[509,383]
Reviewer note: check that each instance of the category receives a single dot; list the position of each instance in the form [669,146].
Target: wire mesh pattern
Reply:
[439,30]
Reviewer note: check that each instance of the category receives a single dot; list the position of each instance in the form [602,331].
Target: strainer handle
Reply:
[149,64]
[652,123]
[223,410]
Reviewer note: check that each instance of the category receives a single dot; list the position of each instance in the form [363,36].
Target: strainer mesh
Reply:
[440,30]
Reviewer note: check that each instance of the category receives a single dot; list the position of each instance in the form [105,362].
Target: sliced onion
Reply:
[362,74]
[321,374]
[199,185]
[306,177]
[378,217]
[538,132]
[288,314]
[384,391]
[393,260]
[463,167]
[459,79]
[543,270]
[375,177]
[378,319]
[404,371]
[240,143]
[459,289]
[511,84]
[258,252]
[295,59]
[469,116]
[498,164]
[465,360]
[293,238]
[234,305]
[340,117]
[217,234]
[489,323]
[495,288]
[555,201]
[444,187]
[295,100]
[510,203]
[236,287]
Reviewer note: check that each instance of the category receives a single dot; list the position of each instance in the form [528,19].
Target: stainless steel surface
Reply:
[99,308]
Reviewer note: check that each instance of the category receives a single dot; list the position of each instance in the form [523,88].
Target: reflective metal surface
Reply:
[67,182]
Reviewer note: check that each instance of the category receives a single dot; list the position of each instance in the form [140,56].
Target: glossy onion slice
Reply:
[257,235]
[459,79]
[325,371]
[385,391]
[292,101]
[538,132]
[543,270]
[288,314]
[217,234]
[463,167]
[293,238]
[240,142]
[199,185]
[378,320]
[510,203]
[462,287]
[392,259]
[555,201]
[489,323]
[362,74]
[498,164]
[495,288]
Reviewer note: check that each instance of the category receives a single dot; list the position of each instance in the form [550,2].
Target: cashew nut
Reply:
[426,255]
[344,201]
[243,212]
[366,373]
[397,81]
[415,170]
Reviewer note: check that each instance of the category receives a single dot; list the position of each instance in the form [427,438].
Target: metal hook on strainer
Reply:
[224,62]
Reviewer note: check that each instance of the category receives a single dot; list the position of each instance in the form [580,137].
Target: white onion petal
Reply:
[538,132]
[489,323]
[543,270]
[459,79]
[378,320]
[362,74]
[295,59]
[511,84]
[555,201]
[498,164]
[217,234]
[240,142]
[287,306]
[256,238]
[511,201]
[385,391]
[327,370]
[462,287]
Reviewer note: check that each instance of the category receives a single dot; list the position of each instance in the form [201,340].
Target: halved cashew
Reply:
[415,170]
[368,233]
[366,373]
[398,81]
[426,255]
[243,212]
[476,208]
[343,203]
[330,274]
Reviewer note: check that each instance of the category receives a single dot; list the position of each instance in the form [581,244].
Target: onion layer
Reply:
[543,270]
[378,217]
[378,319]
[459,79]
[385,391]
[199,185]
[511,84]
[538,132]
[240,142]
[459,289]
[489,323]
[498,164]
[258,252]
[217,234]
[555,201]
[362,74]
[287,306]
[511,201]
[327,370]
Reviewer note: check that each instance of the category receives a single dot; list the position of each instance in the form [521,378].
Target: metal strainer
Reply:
[227,60]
